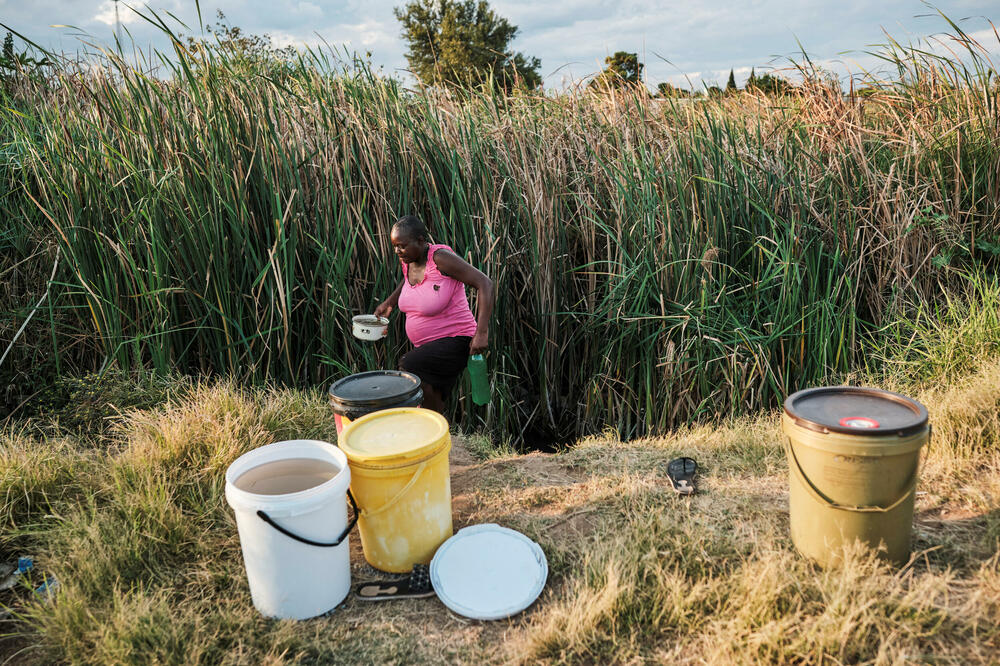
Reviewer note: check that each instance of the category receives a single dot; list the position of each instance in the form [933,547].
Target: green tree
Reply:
[769,84]
[623,69]
[731,85]
[463,42]
[245,52]
[667,90]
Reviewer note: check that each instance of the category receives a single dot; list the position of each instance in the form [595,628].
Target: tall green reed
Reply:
[656,262]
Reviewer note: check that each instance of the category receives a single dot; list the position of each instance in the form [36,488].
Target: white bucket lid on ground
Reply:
[488,572]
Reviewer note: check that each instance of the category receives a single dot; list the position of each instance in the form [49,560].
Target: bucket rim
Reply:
[370,320]
[355,412]
[918,425]
[441,439]
[836,443]
[288,504]
[356,403]
[399,462]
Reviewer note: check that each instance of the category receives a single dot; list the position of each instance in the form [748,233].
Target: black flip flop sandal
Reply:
[417,586]
[681,472]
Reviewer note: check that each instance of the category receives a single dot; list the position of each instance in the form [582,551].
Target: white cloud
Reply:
[129,10]
[283,39]
[106,14]
[367,34]
[309,10]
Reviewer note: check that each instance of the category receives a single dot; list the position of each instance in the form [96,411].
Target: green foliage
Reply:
[88,404]
[956,249]
[623,70]
[666,90]
[731,84]
[15,65]
[464,43]
[937,343]
[655,264]
[243,53]
[769,84]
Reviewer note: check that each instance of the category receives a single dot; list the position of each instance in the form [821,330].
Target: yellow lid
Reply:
[393,436]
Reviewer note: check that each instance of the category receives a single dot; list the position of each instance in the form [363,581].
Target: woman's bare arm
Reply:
[387,306]
[454,266]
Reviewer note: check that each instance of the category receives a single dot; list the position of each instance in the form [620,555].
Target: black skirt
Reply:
[438,362]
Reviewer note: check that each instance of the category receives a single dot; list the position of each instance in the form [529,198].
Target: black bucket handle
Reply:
[347,530]
[911,484]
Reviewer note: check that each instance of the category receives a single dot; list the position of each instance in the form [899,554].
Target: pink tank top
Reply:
[437,306]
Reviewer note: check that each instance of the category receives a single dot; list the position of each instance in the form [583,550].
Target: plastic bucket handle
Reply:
[399,495]
[823,499]
[347,530]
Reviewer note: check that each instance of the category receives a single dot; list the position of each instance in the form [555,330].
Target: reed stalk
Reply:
[656,262]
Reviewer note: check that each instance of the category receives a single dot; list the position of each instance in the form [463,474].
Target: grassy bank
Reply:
[131,520]
[712,257]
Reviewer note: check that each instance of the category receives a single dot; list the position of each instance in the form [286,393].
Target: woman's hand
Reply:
[387,306]
[480,341]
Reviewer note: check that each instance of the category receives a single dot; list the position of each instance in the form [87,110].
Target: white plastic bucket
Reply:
[295,546]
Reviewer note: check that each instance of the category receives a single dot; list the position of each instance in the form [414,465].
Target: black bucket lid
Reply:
[376,389]
[855,410]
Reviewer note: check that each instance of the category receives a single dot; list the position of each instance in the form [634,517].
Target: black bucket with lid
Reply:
[366,392]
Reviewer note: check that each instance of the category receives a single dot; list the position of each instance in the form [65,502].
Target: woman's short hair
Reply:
[413,226]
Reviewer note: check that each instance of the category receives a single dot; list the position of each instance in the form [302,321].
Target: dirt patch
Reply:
[534,469]
[573,526]
[463,480]
[495,490]
[535,484]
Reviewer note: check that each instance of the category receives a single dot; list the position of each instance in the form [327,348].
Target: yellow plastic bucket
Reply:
[853,462]
[402,484]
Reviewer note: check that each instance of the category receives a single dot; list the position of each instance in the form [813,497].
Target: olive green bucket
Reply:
[853,462]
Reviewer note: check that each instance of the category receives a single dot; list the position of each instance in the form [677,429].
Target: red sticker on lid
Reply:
[858,422]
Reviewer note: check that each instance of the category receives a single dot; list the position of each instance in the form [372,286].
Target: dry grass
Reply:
[146,551]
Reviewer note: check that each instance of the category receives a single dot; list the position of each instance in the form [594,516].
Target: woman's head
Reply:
[409,238]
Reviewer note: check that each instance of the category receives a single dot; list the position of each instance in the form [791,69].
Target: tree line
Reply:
[466,43]
[449,42]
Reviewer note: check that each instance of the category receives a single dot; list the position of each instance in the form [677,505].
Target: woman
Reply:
[439,321]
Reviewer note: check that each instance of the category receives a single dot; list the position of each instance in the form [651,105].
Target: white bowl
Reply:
[370,327]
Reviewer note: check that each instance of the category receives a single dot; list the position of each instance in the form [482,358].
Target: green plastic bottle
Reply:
[480,382]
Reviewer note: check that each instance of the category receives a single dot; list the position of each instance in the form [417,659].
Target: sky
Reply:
[683,43]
